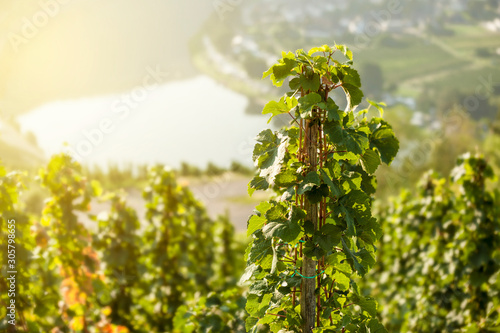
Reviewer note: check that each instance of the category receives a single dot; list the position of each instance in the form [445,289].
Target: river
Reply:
[195,120]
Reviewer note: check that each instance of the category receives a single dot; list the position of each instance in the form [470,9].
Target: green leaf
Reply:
[378,106]
[370,161]
[368,305]
[349,219]
[248,273]
[263,207]
[376,327]
[310,82]
[328,237]
[317,193]
[355,141]
[279,72]
[338,261]
[287,231]
[276,108]
[257,183]
[308,101]
[324,48]
[269,154]
[367,258]
[255,223]
[333,112]
[313,250]
[342,281]
[350,76]
[260,249]
[253,303]
[286,179]
[386,143]
[354,95]
[352,257]
[352,181]
[277,212]
[332,184]
[345,50]
[250,323]
[311,180]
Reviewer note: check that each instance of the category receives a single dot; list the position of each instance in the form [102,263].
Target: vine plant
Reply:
[440,257]
[318,231]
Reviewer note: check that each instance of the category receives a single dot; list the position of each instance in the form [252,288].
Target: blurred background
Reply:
[123,83]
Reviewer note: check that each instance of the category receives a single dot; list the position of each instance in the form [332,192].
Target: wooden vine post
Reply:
[318,230]
[308,286]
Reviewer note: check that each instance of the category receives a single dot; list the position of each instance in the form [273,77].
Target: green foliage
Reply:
[183,245]
[319,230]
[440,258]
[21,246]
[116,272]
[217,312]
[119,246]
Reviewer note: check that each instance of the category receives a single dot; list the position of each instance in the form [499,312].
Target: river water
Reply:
[195,120]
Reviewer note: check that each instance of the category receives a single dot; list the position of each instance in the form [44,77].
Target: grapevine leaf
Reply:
[312,179]
[279,72]
[284,105]
[354,95]
[277,212]
[253,303]
[367,304]
[308,101]
[376,327]
[355,142]
[338,261]
[332,184]
[386,143]
[313,250]
[328,237]
[350,76]
[310,82]
[349,219]
[332,109]
[260,250]
[255,223]
[345,50]
[269,154]
[370,161]
[317,193]
[353,259]
[287,230]
[378,106]
[286,178]
[250,322]
[275,108]
[342,281]
[257,183]
[248,273]
[324,48]
[367,258]
[352,181]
